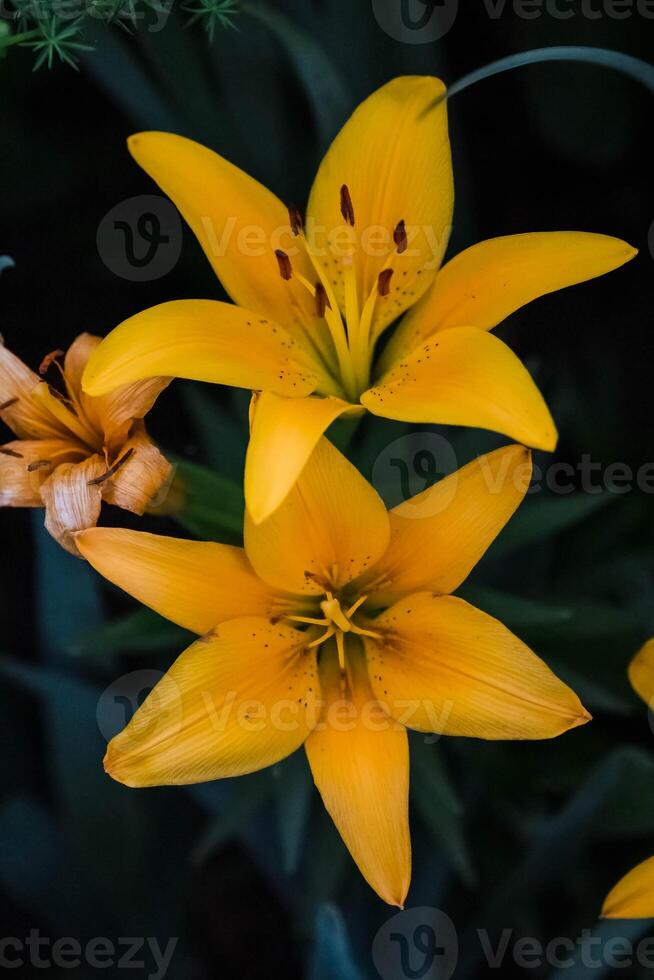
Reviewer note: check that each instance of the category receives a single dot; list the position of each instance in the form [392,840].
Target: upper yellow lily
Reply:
[73,451]
[335,628]
[633,896]
[315,296]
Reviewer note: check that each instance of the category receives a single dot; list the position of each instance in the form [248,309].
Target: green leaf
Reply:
[322,84]
[293,789]
[515,611]
[214,506]
[141,631]
[223,439]
[639,70]
[439,806]
[332,955]
[540,518]
[6,263]
[243,797]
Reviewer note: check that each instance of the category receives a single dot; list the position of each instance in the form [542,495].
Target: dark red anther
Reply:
[39,464]
[399,237]
[322,300]
[347,208]
[8,404]
[296,220]
[384,282]
[10,452]
[284,263]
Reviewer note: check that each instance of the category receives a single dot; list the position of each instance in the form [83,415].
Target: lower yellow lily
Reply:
[335,628]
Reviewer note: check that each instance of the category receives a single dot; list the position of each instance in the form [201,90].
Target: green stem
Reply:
[6,42]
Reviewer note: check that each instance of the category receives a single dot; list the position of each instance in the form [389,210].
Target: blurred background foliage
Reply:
[249,873]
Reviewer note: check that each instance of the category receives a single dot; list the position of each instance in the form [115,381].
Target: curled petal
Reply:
[143,478]
[72,500]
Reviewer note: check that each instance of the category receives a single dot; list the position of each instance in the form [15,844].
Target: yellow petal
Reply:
[202,340]
[641,673]
[465,377]
[438,536]
[329,529]
[481,286]
[72,500]
[283,435]
[25,416]
[238,223]
[142,478]
[393,155]
[633,896]
[360,763]
[25,464]
[232,703]
[443,666]
[196,584]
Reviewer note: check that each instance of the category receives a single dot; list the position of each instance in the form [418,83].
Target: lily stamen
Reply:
[295,219]
[49,360]
[111,471]
[384,282]
[347,208]
[285,267]
[8,404]
[10,452]
[38,464]
[322,301]
[400,237]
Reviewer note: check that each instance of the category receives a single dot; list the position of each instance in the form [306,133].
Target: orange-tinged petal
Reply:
[633,896]
[202,340]
[444,666]
[641,673]
[196,584]
[26,463]
[238,223]
[72,500]
[234,702]
[360,763]
[283,435]
[465,376]
[142,478]
[113,414]
[439,535]
[393,155]
[27,418]
[484,284]
[329,529]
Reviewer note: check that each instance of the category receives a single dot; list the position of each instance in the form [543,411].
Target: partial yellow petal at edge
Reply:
[283,435]
[633,896]
[359,759]
[641,673]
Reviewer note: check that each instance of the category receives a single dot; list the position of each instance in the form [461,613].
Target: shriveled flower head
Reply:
[73,451]
[335,628]
[315,294]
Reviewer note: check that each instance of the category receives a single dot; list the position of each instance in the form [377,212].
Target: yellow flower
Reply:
[335,628]
[314,297]
[73,451]
[633,896]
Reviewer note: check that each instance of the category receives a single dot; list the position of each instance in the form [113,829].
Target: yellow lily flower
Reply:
[314,297]
[335,628]
[633,896]
[73,451]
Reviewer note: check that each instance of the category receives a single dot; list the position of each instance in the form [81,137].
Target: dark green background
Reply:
[249,873]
